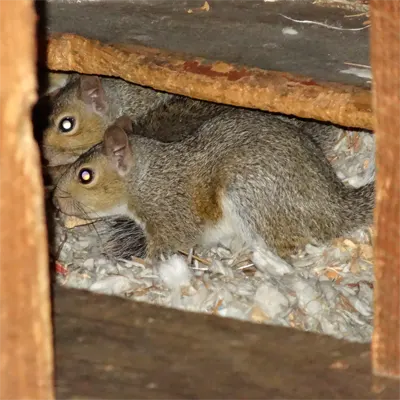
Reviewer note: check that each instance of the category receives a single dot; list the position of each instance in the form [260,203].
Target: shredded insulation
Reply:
[326,289]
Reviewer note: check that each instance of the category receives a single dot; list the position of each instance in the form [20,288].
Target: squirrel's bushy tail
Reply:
[121,238]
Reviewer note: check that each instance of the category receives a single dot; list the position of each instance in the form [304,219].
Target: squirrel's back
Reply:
[260,171]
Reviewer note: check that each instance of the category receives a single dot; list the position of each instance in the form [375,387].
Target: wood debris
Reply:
[204,7]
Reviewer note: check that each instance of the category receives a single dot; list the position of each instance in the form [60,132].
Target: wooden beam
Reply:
[113,348]
[214,81]
[252,33]
[25,324]
[385,60]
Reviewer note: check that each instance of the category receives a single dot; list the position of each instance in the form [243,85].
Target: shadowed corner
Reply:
[40,116]
[41,110]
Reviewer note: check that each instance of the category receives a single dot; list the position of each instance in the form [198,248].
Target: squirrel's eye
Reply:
[86,176]
[66,124]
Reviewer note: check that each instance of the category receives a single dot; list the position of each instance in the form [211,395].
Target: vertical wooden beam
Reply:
[385,62]
[26,361]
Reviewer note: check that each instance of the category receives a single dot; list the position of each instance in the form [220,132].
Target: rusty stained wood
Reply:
[25,319]
[385,59]
[218,82]
[112,348]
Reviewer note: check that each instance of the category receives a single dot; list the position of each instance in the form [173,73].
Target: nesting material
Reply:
[326,289]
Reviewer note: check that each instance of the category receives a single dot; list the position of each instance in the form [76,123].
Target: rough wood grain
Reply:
[385,52]
[25,324]
[112,348]
[219,82]
[253,33]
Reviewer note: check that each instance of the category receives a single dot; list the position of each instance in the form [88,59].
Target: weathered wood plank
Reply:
[108,348]
[25,326]
[252,33]
[385,58]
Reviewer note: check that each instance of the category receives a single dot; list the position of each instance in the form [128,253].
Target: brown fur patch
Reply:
[207,200]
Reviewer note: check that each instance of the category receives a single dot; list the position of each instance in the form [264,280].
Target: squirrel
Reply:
[122,238]
[173,117]
[84,105]
[244,178]
[74,99]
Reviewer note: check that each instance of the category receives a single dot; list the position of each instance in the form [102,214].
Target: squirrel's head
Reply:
[78,117]
[96,184]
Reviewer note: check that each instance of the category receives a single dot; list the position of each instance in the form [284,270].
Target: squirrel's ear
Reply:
[125,123]
[92,93]
[117,149]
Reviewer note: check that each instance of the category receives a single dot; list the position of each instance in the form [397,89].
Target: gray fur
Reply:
[278,183]
[282,187]
[134,100]
[170,118]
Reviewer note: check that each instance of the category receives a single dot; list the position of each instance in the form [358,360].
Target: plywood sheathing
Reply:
[26,362]
[214,81]
[385,59]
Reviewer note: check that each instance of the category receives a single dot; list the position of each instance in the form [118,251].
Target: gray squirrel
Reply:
[84,105]
[123,239]
[244,178]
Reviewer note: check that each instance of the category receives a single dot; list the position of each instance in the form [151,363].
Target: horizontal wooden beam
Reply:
[113,348]
[214,81]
